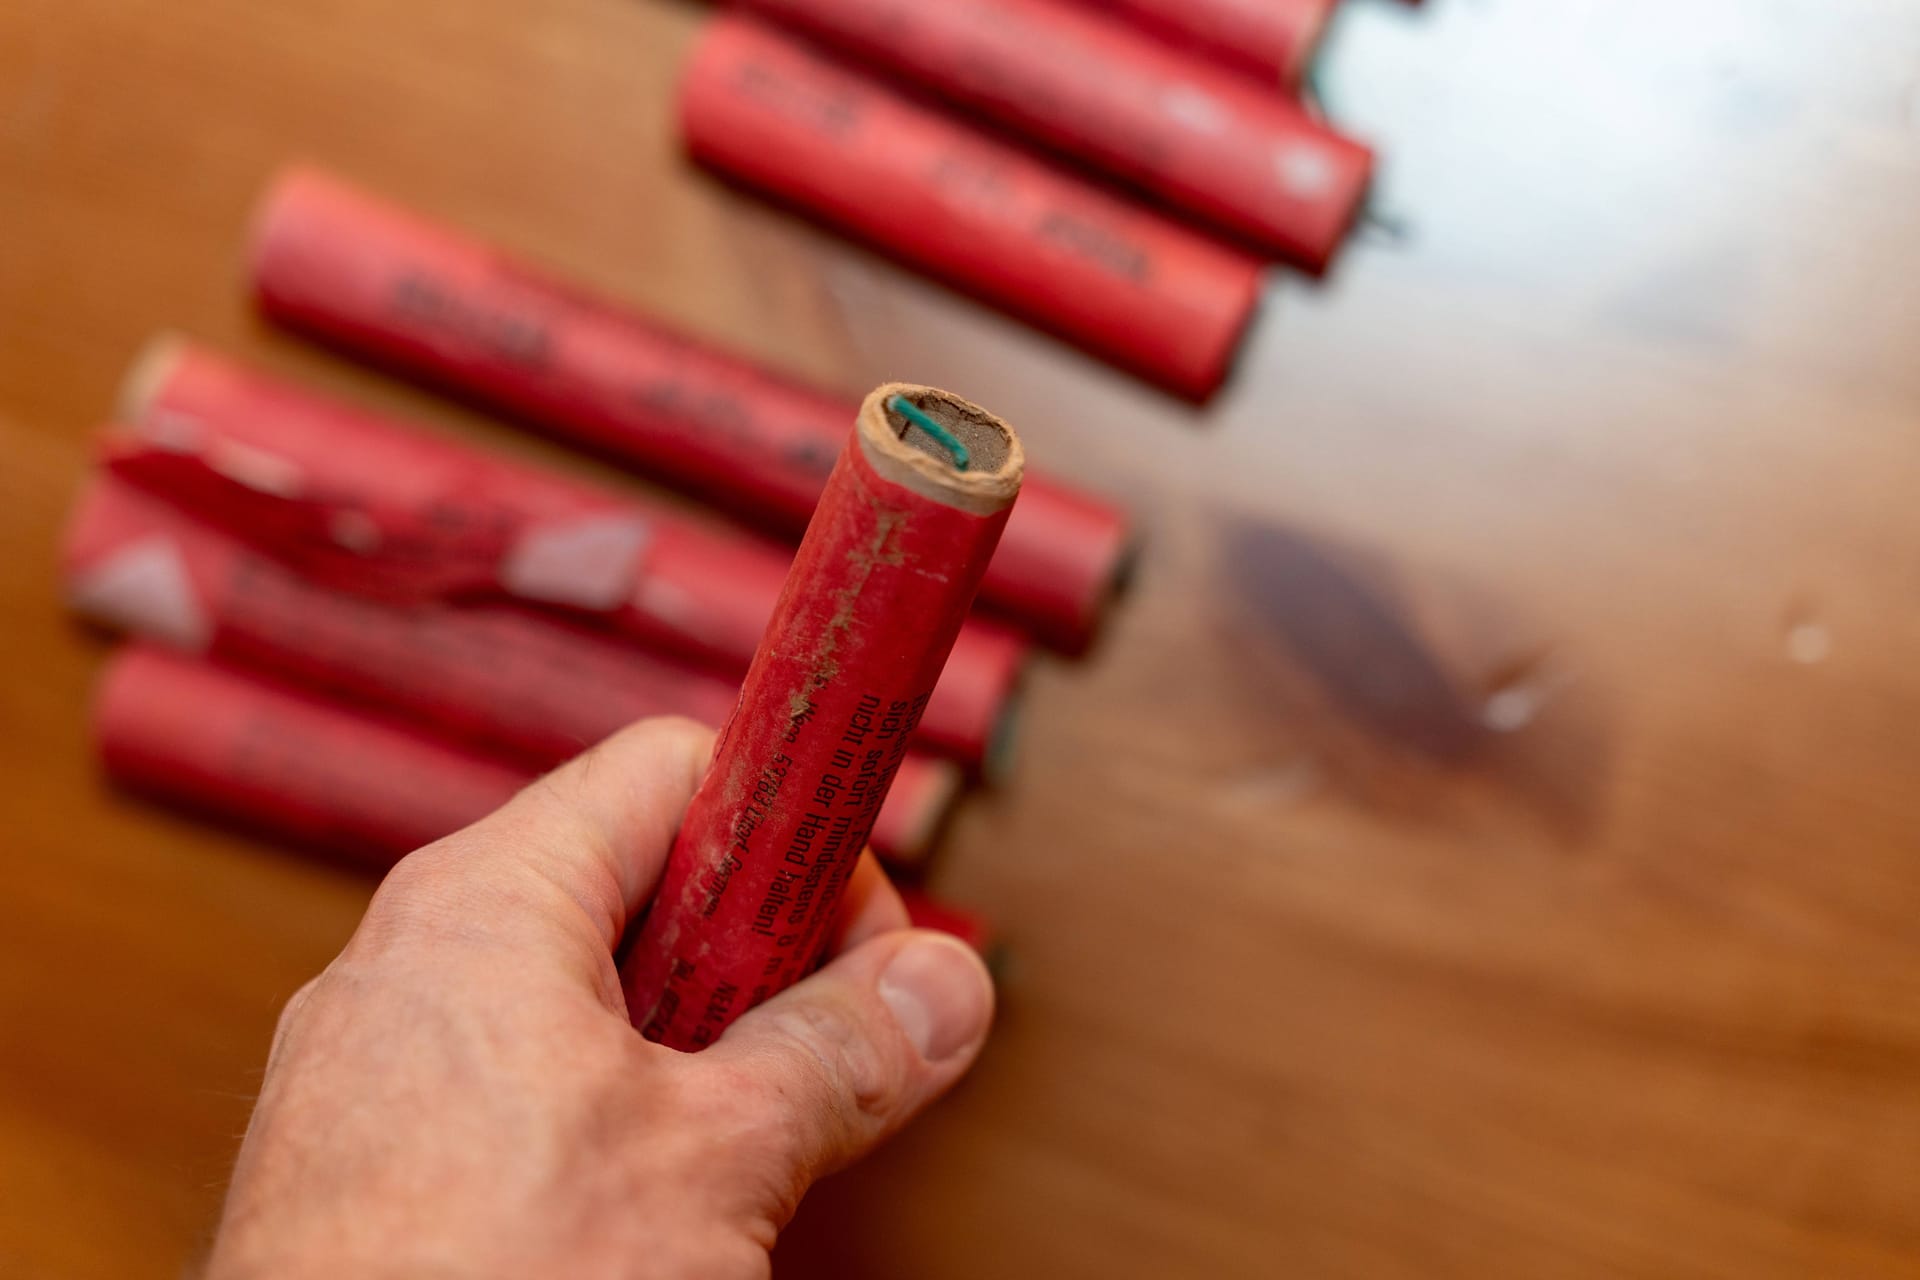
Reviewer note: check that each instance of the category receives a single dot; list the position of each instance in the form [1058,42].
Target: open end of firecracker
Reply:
[942,446]
[148,376]
[942,782]
[923,431]
[970,441]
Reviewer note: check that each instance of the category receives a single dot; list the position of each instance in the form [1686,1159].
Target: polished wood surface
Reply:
[1488,841]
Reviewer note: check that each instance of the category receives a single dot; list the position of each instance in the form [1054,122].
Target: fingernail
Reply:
[940,994]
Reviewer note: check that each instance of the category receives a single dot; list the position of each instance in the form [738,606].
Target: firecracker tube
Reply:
[1272,41]
[284,763]
[924,911]
[294,766]
[1156,298]
[507,682]
[366,504]
[883,578]
[423,298]
[1218,148]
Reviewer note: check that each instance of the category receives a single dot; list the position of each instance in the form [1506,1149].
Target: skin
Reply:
[460,1092]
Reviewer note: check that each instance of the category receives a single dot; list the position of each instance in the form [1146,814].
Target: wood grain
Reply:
[1484,846]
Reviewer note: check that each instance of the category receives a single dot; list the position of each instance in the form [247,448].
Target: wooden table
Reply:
[1488,843]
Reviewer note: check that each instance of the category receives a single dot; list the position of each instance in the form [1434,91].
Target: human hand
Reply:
[460,1092]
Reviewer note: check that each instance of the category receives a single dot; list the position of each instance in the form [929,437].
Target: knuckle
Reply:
[730,1101]
[759,1145]
[857,1076]
[285,1025]
[659,739]
[418,897]
[299,998]
[680,741]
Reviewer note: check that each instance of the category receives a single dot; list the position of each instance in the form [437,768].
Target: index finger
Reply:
[585,845]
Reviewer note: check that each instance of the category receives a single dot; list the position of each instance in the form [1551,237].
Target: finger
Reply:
[593,834]
[283,1026]
[871,907]
[835,1064]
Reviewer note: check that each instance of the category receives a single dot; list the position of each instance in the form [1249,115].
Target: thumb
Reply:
[835,1064]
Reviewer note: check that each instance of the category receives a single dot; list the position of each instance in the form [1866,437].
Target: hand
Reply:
[460,1093]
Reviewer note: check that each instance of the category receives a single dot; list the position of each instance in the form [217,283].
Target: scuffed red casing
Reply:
[1152,296]
[1218,148]
[293,766]
[423,298]
[1272,41]
[924,911]
[523,688]
[876,595]
[285,764]
[429,518]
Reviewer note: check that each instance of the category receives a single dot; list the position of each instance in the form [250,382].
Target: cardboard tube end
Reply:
[900,451]
[289,186]
[1307,45]
[1123,569]
[1003,745]
[152,366]
[943,784]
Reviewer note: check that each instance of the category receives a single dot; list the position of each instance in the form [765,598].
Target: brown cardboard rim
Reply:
[981,491]
[945,782]
[150,370]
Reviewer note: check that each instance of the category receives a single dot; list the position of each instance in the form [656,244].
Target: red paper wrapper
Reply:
[1153,297]
[509,682]
[292,766]
[883,578]
[1210,143]
[423,298]
[1270,40]
[367,505]
[285,764]
[927,912]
